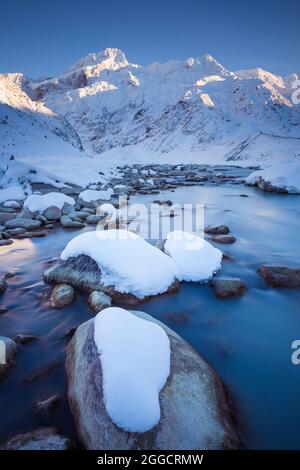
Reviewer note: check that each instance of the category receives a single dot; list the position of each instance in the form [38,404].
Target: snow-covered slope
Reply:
[180,111]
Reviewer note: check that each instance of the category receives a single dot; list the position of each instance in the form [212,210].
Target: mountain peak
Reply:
[109,58]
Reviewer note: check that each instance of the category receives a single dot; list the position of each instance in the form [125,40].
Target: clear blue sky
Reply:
[43,38]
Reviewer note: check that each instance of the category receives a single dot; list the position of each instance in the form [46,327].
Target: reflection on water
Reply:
[247,340]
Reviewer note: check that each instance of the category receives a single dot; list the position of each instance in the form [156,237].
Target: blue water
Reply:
[246,339]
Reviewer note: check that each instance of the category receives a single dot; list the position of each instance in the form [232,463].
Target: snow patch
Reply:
[284,176]
[135,360]
[12,193]
[91,195]
[197,260]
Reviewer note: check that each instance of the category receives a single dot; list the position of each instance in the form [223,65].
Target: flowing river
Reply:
[246,339]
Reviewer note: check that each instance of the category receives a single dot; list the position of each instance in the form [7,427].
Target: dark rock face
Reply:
[227,286]
[280,276]
[8,353]
[217,230]
[224,239]
[41,439]
[83,273]
[62,295]
[194,410]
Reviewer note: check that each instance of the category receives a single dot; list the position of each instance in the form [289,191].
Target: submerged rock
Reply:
[227,286]
[217,230]
[24,339]
[45,407]
[99,300]
[62,295]
[224,239]
[41,439]
[3,286]
[194,410]
[8,353]
[280,276]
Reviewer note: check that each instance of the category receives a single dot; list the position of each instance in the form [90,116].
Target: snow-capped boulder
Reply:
[93,196]
[40,439]
[197,260]
[118,262]
[190,412]
[51,205]
[279,178]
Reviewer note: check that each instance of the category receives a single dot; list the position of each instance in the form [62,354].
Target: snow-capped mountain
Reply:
[192,110]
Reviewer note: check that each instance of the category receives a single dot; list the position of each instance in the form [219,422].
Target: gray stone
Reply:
[217,230]
[62,295]
[280,276]
[52,213]
[16,231]
[67,209]
[67,222]
[42,219]
[224,239]
[6,242]
[41,439]
[94,219]
[35,234]
[21,222]
[193,393]
[99,300]
[227,286]
[5,216]
[8,353]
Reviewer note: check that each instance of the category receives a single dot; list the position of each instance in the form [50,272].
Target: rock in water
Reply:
[6,242]
[67,222]
[62,295]
[41,439]
[227,286]
[217,230]
[194,410]
[3,286]
[224,239]
[280,276]
[99,300]
[8,353]
[45,407]
[22,222]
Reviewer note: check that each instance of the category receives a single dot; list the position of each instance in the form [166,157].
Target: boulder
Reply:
[217,230]
[21,222]
[5,216]
[62,295]
[224,239]
[83,273]
[194,409]
[99,300]
[8,353]
[280,276]
[41,439]
[227,286]
[67,222]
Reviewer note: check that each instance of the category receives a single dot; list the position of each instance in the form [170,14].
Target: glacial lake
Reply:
[246,339]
